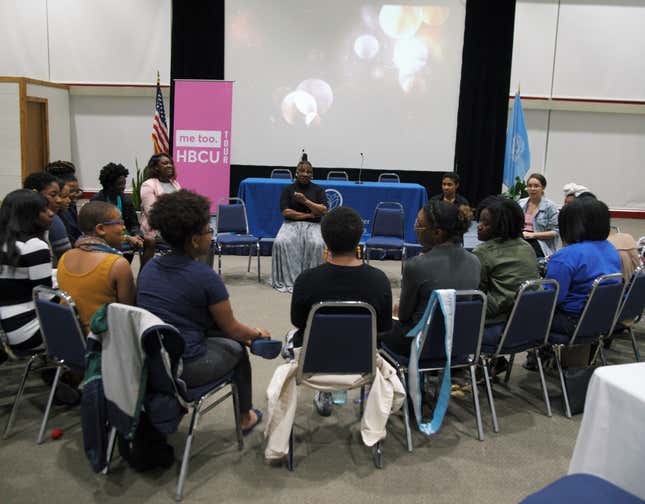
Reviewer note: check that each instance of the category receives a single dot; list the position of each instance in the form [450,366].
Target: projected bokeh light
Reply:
[400,21]
[366,47]
[311,99]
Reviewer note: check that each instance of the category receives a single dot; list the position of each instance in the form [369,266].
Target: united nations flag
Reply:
[517,159]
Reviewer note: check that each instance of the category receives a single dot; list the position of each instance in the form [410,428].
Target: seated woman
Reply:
[506,259]
[449,185]
[95,273]
[299,244]
[65,171]
[112,179]
[444,264]
[343,278]
[161,180]
[584,227]
[540,217]
[25,262]
[189,295]
[49,187]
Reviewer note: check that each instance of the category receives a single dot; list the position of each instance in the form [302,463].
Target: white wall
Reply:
[10,168]
[58,119]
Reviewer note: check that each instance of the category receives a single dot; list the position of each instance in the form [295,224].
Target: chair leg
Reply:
[378,455]
[236,412]
[406,415]
[258,251]
[110,450]
[361,404]
[18,398]
[50,400]
[543,382]
[248,269]
[489,394]
[478,415]
[507,375]
[366,254]
[565,397]
[290,457]
[601,350]
[635,345]
[184,462]
[219,260]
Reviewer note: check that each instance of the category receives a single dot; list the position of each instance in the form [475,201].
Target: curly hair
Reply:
[152,168]
[507,219]
[39,181]
[453,220]
[179,216]
[110,172]
[61,169]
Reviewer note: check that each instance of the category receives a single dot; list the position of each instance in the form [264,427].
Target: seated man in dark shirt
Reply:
[449,186]
[343,277]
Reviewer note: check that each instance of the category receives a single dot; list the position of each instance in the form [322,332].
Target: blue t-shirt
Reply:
[576,266]
[179,290]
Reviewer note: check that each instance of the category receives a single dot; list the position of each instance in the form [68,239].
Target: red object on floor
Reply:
[56,433]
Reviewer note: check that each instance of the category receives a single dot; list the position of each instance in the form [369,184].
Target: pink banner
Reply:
[202,137]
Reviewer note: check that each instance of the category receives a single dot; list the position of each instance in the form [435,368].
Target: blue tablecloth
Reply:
[262,198]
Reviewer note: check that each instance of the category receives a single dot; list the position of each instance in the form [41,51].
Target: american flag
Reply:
[159,127]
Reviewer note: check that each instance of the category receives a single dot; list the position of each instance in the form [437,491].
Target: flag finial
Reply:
[158,77]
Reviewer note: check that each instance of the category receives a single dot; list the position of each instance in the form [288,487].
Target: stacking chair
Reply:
[389,177]
[64,341]
[163,347]
[526,328]
[334,199]
[232,230]
[337,175]
[597,319]
[281,173]
[632,307]
[339,338]
[388,230]
[470,315]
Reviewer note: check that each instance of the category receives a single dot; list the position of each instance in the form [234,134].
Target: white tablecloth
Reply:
[611,441]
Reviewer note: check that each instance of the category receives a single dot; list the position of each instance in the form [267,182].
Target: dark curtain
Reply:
[483,97]
[197,44]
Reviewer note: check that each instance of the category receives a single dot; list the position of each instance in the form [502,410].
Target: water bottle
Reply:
[339,396]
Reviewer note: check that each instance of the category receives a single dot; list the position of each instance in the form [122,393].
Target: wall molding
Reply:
[572,104]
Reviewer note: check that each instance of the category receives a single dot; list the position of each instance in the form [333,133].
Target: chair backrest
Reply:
[337,175]
[634,300]
[389,220]
[231,216]
[530,319]
[334,198]
[340,338]
[60,327]
[281,173]
[601,309]
[389,177]
[470,315]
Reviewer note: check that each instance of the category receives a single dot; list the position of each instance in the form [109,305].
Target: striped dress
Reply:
[17,312]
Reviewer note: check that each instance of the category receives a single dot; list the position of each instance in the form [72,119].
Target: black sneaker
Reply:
[323,403]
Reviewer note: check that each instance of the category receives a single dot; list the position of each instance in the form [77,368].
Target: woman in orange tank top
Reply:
[95,273]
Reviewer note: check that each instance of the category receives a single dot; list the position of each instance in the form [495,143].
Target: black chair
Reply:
[339,338]
[64,340]
[232,230]
[470,315]
[597,319]
[389,177]
[337,175]
[388,230]
[632,307]
[281,173]
[527,326]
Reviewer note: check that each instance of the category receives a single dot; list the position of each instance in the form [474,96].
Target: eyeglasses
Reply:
[210,230]
[113,223]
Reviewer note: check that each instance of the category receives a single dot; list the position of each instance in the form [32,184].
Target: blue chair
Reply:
[389,177]
[339,338]
[527,327]
[470,315]
[281,173]
[163,347]
[632,307]
[581,488]
[64,340]
[598,318]
[232,230]
[388,230]
[337,175]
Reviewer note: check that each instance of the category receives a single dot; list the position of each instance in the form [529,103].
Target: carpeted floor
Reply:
[530,451]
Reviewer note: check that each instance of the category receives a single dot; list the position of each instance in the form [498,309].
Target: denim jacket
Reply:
[546,219]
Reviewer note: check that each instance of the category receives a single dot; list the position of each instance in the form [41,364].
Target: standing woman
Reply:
[25,262]
[299,244]
[540,217]
[161,180]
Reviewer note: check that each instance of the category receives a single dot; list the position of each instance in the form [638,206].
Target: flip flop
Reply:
[247,431]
